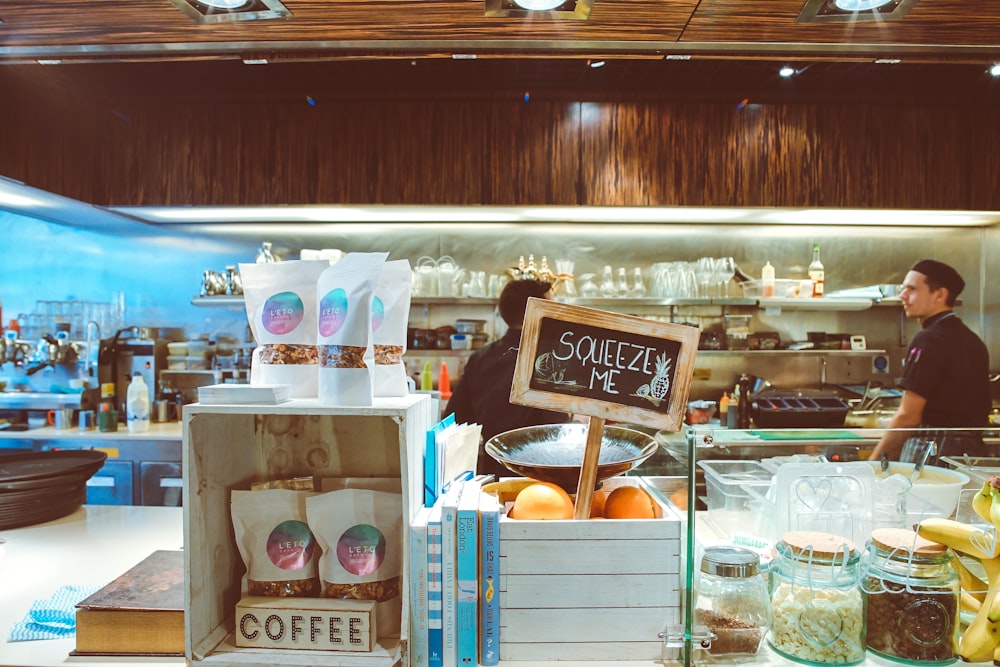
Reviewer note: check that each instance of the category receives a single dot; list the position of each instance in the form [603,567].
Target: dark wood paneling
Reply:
[928,22]
[446,149]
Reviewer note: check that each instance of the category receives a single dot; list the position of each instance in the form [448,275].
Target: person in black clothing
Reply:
[482,394]
[945,374]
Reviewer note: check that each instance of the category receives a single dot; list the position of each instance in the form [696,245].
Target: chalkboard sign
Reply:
[592,362]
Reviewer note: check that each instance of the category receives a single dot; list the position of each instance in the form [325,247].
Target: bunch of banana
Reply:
[981,640]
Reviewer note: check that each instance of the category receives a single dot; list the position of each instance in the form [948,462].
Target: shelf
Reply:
[768,303]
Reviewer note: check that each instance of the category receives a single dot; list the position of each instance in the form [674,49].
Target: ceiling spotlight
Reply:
[217,11]
[817,11]
[786,71]
[994,70]
[596,64]
[552,9]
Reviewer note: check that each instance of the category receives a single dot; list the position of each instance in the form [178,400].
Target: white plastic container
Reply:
[137,405]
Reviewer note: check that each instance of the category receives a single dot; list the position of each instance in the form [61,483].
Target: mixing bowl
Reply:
[554,452]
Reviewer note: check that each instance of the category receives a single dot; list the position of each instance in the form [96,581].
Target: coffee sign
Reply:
[601,364]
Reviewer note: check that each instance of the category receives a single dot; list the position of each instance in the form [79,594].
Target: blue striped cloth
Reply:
[53,618]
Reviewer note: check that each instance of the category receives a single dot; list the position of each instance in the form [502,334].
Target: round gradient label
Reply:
[291,545]
[282,313]
[332,311]
[378,313]
[361,549]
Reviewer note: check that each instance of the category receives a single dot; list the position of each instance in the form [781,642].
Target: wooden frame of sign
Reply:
[606,366]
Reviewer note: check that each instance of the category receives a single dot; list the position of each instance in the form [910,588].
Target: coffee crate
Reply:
[229,447]
[590,589]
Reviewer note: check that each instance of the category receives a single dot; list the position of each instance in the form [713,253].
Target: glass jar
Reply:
[912,598]
[732,601]
[816,602]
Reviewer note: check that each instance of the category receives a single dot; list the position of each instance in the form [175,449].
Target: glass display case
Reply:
[762,490]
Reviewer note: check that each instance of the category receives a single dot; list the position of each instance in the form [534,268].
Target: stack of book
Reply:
[454,567]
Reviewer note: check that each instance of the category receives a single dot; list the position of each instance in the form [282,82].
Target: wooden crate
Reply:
[228,447]
[589,590]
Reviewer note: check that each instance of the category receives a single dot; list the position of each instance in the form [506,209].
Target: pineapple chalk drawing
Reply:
[659,385]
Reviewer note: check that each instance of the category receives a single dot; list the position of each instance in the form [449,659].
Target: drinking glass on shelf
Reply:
[588,290]
[725,271]
[704,271]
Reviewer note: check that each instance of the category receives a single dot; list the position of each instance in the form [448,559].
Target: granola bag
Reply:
[390,317]
[344,296]
[279,550]
[280,300]
[360,532]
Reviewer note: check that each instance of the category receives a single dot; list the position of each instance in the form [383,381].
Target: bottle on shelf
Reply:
[816,273]
[608,289]
[724,410]
[638,286]
[767,280]
[137,405]
[621,286]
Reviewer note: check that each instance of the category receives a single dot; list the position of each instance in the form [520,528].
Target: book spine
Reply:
[435,638]
[419,589]
[489,582]
[449,518]
[467,567]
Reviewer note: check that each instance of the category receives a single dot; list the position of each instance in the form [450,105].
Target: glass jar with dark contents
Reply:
[732,601]
[912,596]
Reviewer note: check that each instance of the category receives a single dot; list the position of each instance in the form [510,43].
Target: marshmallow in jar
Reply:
[816,602]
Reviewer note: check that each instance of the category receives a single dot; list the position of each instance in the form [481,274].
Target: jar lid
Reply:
[726,561]
[901,539]
[817,544]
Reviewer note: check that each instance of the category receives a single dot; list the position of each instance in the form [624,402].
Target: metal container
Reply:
[470,326]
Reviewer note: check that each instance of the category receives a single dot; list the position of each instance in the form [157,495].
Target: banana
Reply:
[994,507]
[982,500]
[981,639]
[970,603]
[972,585]
[976,541]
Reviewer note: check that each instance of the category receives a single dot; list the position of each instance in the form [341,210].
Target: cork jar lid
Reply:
[819,545]
[901,539]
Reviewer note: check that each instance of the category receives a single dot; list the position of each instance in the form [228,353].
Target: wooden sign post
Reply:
[605,366]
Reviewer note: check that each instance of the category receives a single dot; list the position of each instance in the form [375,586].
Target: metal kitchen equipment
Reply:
[128,352]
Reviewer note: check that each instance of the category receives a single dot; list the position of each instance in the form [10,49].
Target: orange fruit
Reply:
[542,500]
[680,498]
[628,502]
[597,504]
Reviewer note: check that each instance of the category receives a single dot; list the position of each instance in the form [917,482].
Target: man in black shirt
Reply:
[945,374]
[482,395]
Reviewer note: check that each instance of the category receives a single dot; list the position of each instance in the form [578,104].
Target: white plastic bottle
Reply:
[767,280]
[137,405]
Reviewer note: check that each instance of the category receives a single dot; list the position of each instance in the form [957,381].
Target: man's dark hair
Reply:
[514,299]
[937,275]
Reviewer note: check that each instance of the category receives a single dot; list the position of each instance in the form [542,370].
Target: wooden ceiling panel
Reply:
[318,29]
[929,23]
[315,22]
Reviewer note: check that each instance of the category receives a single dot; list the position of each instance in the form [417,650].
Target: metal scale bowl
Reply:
[554,452]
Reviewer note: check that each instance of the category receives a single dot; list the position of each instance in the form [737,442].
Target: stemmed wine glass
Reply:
[725,271]
[704,270]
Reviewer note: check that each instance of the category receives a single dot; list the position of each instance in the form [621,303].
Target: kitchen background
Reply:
[141,135]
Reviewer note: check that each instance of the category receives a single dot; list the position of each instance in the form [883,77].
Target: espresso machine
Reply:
[128,352]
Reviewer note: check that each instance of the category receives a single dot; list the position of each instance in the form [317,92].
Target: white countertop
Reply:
[157,431]
[93,545]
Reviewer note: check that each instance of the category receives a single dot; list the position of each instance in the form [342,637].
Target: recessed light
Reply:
[994,70]
[217,11]
[786,71]
[887,61]
[817,11]
[551,9]
[596,64]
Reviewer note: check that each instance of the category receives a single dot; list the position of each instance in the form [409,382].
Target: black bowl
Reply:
[554,452]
